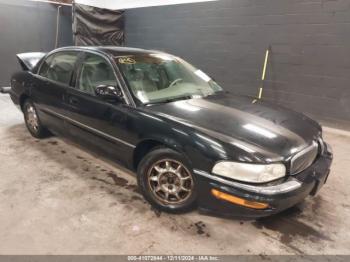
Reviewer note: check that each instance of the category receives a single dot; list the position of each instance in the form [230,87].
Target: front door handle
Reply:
[73,101]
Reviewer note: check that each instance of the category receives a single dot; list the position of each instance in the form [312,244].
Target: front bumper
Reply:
[278,196]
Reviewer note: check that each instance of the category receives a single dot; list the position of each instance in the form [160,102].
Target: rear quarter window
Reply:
[59,67]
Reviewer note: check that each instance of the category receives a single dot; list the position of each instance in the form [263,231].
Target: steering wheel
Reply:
[175,82]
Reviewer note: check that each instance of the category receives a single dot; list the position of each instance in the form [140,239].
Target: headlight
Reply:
[254,173]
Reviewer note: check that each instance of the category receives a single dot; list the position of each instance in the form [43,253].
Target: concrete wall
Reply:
[309,68]
[27,26]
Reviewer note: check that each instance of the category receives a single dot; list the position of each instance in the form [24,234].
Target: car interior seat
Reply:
[85,83]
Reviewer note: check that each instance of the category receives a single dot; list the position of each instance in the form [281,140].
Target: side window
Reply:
[45,66]
[59,67]
[144,76]
[95,71]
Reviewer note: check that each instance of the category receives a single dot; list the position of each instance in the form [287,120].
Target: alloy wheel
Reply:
[32,118]
[170,181]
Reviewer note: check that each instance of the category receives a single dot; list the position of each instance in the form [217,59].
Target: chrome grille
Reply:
[303,159]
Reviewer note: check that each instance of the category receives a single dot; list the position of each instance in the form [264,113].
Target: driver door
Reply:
[93,121]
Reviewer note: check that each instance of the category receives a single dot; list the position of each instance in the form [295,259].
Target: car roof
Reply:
[112,50]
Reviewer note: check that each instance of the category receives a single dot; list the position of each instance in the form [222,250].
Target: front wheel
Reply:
[166,181]
[32,120]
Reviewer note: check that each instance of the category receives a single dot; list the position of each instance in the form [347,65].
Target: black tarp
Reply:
[97,26]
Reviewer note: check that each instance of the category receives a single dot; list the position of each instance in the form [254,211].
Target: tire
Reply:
[166,181]
[31,118]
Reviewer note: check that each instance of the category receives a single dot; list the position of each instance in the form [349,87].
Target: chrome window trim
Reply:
[127,96]
[285,187]
[88,127]
[300,153]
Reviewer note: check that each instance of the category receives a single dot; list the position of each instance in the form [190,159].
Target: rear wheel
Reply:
[166,181]
[32,120]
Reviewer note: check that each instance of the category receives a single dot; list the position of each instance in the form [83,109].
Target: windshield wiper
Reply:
[168,100]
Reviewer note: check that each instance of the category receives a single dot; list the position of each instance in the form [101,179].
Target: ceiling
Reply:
[122,4]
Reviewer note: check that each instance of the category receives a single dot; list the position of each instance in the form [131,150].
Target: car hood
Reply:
[272,131]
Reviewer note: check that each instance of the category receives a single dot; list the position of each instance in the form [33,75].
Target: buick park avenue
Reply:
[190,142]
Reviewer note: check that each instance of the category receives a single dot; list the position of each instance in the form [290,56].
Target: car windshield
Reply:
[159,78]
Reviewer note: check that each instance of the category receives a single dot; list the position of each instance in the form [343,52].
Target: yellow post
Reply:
[263,75]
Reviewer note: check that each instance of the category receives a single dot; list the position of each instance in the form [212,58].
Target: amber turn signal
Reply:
[238,201]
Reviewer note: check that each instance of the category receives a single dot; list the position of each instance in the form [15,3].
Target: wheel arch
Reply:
[22,99]
[147,145]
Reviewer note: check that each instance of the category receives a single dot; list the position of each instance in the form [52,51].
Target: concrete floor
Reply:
[58,199]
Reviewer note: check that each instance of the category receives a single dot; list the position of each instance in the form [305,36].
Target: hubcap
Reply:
[170,181]
[32,118]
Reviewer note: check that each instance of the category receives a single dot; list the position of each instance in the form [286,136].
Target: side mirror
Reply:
[107,92]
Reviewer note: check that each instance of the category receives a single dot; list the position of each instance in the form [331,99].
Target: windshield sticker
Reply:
[202,75]
[126,60]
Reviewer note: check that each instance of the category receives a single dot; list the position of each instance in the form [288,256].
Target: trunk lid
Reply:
[29,60]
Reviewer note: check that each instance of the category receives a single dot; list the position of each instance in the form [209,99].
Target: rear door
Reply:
[50,84]
[94,121]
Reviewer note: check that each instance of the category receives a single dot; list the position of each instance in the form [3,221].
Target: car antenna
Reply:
[268,50]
